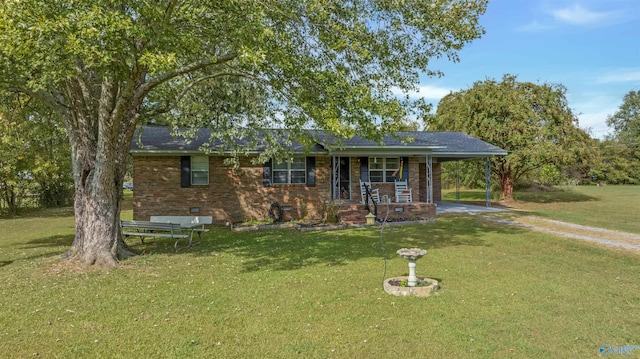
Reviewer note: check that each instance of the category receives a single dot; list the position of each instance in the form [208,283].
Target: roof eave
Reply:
[157,152]
[469,154]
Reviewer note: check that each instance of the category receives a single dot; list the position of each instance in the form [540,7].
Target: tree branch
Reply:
[193,83]
[157,80]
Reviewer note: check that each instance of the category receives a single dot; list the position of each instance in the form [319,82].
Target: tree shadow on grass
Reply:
[287,249]
[555,196]
[63,241]
[40,213]
[43,247]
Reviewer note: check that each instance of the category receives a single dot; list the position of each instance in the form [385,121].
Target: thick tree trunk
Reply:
[98,240]
[507,187]
[504,173]
[100,139]
[98,176]
[101,115]
[97,226]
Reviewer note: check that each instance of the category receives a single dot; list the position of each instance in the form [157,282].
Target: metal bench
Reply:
[194,223]
[145,229]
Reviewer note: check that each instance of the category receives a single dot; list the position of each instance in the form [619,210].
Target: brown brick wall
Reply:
[437,181]
[355,179]
[231,195]
[355,213]
[238,194]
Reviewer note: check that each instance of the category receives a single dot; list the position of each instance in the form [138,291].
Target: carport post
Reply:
[487,180]
[458,181]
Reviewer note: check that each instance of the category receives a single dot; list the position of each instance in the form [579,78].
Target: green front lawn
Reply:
[506,292]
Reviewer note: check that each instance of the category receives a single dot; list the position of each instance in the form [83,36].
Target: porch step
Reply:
[353,214]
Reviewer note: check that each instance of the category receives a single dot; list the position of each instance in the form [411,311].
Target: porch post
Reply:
[487,179]
[335,175]
[429,166]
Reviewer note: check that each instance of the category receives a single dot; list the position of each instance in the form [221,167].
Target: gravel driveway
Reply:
[596,235]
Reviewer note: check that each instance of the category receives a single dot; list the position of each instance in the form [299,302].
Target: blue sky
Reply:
[590,46]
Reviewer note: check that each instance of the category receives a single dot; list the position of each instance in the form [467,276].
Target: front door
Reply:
[341,182]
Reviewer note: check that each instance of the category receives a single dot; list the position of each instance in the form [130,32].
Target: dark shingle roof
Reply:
[159,139]
[452,145]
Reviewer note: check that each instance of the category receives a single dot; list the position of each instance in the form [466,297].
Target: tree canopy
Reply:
[532,122]
[621,151]
[626,121]
[107,66]
[35,155]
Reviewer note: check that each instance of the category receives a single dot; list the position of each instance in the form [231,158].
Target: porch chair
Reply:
[403,192]
[374,192]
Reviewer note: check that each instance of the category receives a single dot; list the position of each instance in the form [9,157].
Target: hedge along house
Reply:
[175,177]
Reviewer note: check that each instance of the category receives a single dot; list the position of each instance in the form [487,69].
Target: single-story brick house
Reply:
[173,176]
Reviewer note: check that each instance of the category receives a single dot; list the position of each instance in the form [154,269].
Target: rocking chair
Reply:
[374,193]
[403,192]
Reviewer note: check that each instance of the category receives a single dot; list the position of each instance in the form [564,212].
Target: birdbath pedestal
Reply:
[412,255]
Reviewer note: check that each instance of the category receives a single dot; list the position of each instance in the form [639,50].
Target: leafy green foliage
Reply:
[467,174]
[292,64]
[532,122]
[237,66]
[621,152]
[620,164]
[626,121]
[549,175]
[35,155]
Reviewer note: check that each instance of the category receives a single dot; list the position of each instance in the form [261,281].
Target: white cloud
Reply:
[592,110]
[596,122]
[577,15]
[535,26]
[621,75]
[426,91]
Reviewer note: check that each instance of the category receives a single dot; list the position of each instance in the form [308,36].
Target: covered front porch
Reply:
[348,173]
[414,158]
[422,173]
[381,171]
[354,213]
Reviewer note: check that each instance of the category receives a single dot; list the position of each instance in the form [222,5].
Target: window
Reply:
[199,170]
[381,169]
[290,172]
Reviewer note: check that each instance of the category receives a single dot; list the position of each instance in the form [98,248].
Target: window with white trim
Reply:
[199,170]
[294,172]
[381,169]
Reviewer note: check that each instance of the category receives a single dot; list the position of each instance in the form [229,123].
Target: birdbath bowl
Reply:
[412,255]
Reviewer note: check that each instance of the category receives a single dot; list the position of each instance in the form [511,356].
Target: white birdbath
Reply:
[412,255]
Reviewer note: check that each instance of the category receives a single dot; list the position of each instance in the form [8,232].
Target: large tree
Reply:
[533,122]
[106,66]
[626,121]
[621,151]
[619,163]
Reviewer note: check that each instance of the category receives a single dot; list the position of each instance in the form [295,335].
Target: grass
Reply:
[506,292]
[610,207]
